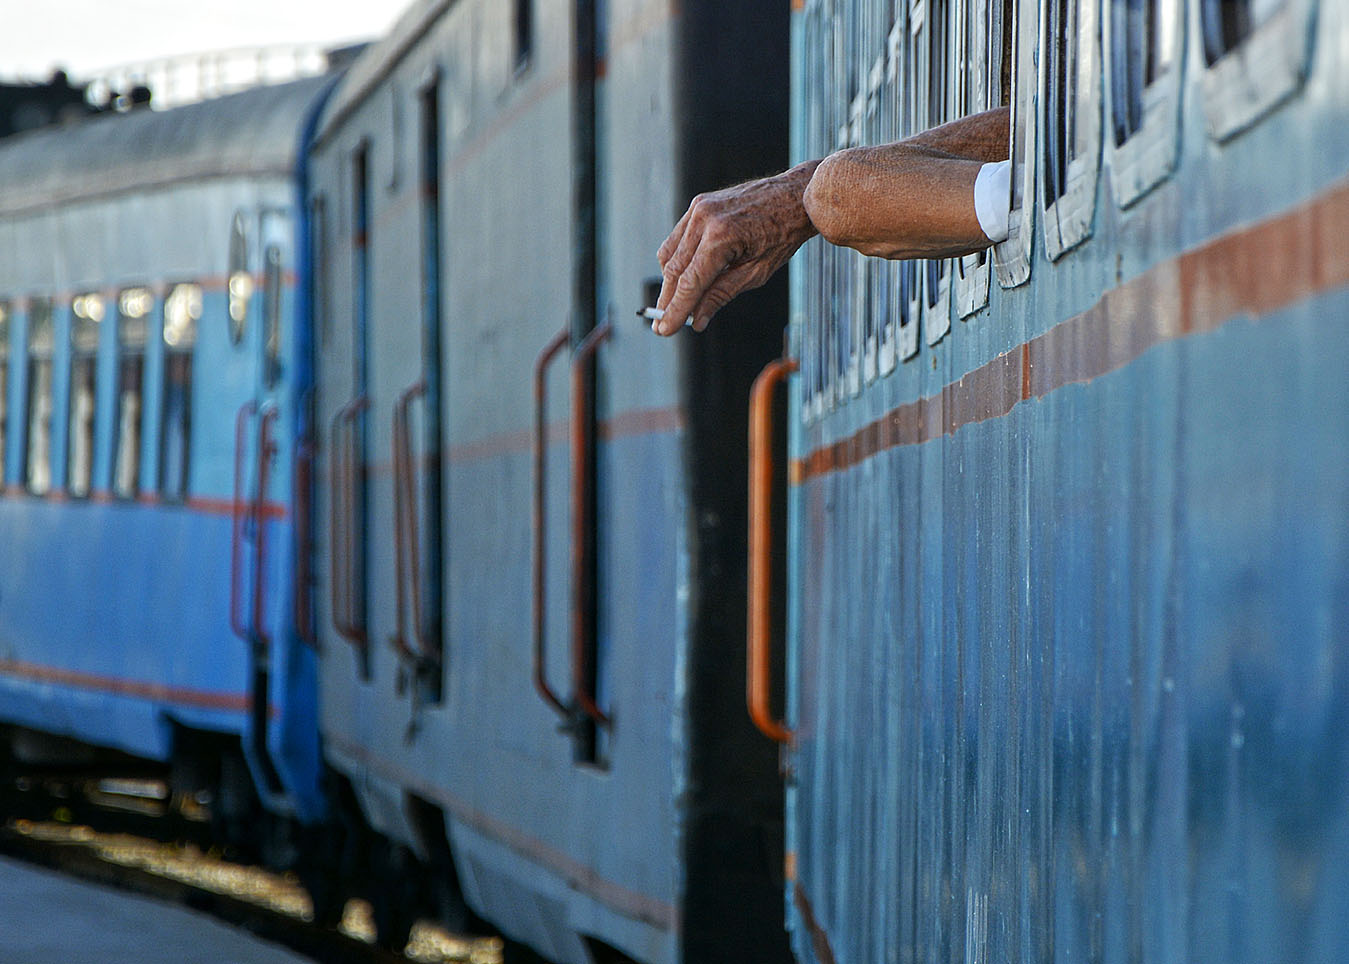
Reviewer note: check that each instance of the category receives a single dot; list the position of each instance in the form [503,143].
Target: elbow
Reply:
[826,200]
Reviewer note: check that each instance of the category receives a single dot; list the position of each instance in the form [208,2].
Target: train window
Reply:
[1070,104]
[240,279]
[524,33]
[1256,54]
[86,317]
[133,311]
[937,53]
[982,46]
[4,389]
[1011,258]
[40,402]
[1143,38]
[181,312]
[271,315]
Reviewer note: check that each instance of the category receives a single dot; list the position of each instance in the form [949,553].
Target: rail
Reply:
[758,675]
[407,536]
[550,351]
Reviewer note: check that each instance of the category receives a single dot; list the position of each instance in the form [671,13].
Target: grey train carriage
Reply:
[531,513]
[1068,668]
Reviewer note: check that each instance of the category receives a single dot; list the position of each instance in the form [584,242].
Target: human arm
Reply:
[730,241]
[913,198]
[910,199]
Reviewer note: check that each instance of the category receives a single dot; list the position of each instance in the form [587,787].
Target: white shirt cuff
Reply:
[993,199]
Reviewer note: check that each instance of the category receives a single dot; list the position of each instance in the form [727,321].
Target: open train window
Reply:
[1070,87]
[240,279]
[1143,38]
[182,311]
[1256,53]
[982,48]
[86,317]
[134,306]
[39,404]
[4,390]
[1011,258]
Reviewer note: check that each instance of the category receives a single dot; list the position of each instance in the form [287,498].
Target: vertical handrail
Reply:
[335,522]
[301,599]
[405,539]
[245,414]
[267,449]
[758,675]
[581,400]
[343,464]
[541,364]
[414,535]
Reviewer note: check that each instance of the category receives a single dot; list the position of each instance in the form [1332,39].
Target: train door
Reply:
[418,477]
[259,540]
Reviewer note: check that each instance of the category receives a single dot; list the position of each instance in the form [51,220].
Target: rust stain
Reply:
[818,938]
[236,702]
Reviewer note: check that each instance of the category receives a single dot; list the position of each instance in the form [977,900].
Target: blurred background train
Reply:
[342,493]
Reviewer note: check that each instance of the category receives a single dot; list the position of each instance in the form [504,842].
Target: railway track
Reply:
[272,906]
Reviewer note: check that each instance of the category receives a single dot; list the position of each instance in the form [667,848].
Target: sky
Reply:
[85,36]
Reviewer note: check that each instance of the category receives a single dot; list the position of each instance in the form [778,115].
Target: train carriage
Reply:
[1068,560]
[155,350]
[530,587]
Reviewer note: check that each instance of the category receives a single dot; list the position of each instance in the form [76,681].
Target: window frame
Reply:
[6,332]
[1149,154]
[168,355]
[1067,220]
[1265,69]
[935,306]
[121,354]
[1012,257]
[80,356]
[31,358]
[978,88]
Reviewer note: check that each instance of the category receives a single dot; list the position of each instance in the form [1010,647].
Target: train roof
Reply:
[255,132]
[378,61]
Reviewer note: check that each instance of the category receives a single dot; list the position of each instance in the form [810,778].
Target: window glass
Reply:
[133,311]
[86,317]
[1228,23]
[39,403]
[524,32]
[4,386]
[182,311]
[271,315]
[240,280]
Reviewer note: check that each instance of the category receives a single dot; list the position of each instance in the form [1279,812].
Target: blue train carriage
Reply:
[531,574]
[154,367]
[1068,674]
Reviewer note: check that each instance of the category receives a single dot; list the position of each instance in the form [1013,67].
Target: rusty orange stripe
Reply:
[646,421]
[1248,272]
[183,696]
[200,504]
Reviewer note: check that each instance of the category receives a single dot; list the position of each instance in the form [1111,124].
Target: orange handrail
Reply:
[541,364]
[759,637]
[580,497]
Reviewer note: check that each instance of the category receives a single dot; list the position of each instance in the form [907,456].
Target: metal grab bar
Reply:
[759,638]
[407,537]
[342,468]
[580,498]
[267,449]
[241,420]
[301,598]
[541,364]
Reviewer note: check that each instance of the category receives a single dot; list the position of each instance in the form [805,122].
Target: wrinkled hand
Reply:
[730,241]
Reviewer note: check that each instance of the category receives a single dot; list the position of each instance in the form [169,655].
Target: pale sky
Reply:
[85,36]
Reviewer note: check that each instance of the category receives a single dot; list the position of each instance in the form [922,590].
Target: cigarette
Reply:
[656,314]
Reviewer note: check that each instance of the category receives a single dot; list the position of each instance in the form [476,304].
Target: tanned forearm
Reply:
[910,199]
